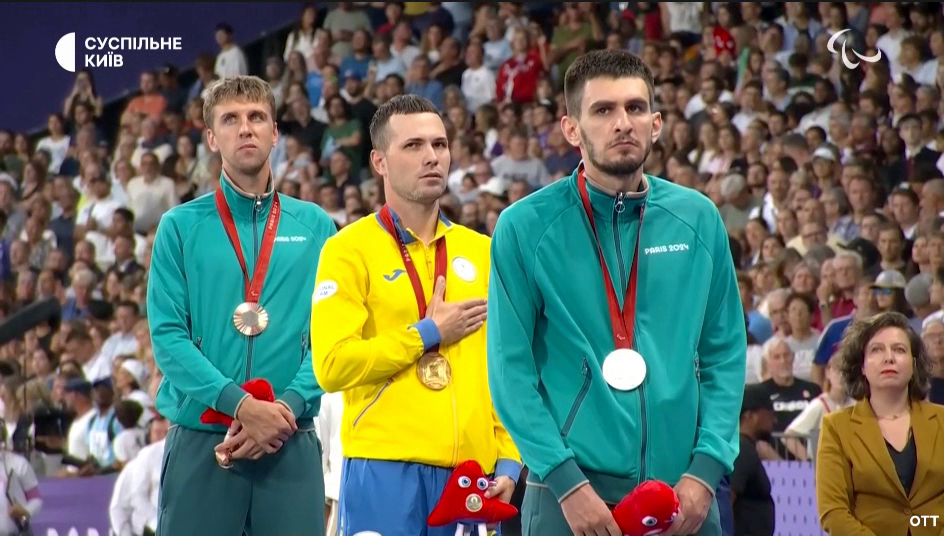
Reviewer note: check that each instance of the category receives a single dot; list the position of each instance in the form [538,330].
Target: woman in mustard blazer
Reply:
[881,461]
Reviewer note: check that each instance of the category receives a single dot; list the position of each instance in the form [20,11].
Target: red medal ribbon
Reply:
[386,219]
[253,287]
[621,320]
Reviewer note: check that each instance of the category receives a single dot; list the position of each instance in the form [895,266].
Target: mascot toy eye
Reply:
[648,510]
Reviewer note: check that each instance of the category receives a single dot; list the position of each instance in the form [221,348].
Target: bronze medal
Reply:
[250,319]
[223,460]
[434,371]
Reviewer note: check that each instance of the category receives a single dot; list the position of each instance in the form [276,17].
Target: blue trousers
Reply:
[390,498]
[723,496]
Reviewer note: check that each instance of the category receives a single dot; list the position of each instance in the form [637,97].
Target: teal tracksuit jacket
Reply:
[194,286]
[549,331]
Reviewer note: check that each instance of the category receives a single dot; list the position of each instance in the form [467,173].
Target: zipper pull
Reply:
[258,203]
[619,207]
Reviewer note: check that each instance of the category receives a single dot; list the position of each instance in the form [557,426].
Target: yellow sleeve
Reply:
[341,356]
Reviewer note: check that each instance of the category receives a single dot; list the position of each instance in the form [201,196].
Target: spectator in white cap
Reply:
[824,166]
[889,292]
[493,195]
[918,296]
[130,378]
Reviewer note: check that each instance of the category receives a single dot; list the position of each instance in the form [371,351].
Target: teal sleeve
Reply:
[513,307]
[168,308]
[722,348]
[303,392]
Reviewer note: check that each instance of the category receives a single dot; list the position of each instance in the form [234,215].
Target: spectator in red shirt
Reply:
[518,77]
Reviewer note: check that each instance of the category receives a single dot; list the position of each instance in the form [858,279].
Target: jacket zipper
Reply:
[301,358]
[618,208]
[372,402]
[255,255]
[578,401]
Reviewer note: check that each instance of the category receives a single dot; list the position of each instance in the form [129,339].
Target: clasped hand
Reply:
[259,428]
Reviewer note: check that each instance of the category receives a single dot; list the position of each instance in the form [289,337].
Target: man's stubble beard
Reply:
[615,169]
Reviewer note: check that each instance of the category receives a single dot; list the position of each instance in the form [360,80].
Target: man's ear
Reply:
[571,130]
[379,162]
[656,126]
[211,141]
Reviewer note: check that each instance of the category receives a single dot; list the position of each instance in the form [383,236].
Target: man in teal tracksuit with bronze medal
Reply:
[616,337]
[230,277]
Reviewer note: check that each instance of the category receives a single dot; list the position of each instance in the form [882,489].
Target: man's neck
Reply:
[748,432]
[784,381]
[612,184]
[419,218]
[251,184]
[892,265]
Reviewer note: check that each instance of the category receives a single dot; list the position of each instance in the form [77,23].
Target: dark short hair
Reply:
[807,300]
[603,64]
[79,333]
[399,105]
[851,355]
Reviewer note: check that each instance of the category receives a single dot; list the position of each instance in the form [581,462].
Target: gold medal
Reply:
[434,371]
[473,503]
[250,319]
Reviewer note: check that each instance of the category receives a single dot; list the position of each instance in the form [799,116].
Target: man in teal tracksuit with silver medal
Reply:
[230,277]
[616,337]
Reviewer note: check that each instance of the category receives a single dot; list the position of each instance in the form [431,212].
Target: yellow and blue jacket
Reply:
[367,337]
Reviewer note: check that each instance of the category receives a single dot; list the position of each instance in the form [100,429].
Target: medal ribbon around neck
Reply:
[386,219]
[252,287]
[621,320]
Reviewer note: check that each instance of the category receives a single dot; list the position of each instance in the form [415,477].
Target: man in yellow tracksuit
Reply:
[397,319]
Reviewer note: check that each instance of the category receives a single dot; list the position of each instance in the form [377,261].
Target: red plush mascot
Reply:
[648,510]
[463,501]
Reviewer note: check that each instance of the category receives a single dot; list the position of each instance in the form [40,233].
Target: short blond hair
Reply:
[251,88]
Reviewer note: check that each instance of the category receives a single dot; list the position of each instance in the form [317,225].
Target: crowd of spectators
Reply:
[830,179]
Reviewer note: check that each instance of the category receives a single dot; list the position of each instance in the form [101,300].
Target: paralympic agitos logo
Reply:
[831,46]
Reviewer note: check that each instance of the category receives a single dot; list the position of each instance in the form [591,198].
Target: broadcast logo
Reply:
[107,51]
[831,46]
[65,52]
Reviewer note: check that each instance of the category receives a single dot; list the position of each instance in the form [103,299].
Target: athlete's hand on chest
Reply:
[454,320]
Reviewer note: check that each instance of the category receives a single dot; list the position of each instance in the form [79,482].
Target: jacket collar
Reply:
[604,203]
[925,429]
[406,235]
[241,203]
